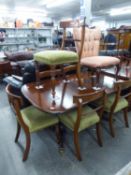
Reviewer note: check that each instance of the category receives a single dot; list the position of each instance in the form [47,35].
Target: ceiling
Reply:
[70,9]
[102,7]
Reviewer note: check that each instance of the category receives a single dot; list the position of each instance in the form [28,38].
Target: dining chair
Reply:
[88,50]
[118,101]
[54,58]
[61,57]
[30,119]
[84,116]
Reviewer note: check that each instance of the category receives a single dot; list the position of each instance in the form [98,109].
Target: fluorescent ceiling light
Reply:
[26,9]
[66,19]
[3,7]
[45,2]
[120,11]
[101,24]
[57,3]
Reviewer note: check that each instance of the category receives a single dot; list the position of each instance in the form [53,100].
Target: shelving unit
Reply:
[26,38]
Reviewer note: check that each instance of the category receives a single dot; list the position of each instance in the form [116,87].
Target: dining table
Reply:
[42,99]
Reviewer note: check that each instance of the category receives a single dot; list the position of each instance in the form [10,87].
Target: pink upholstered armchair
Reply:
[88,50]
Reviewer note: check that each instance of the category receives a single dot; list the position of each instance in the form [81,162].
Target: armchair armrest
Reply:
[19,78]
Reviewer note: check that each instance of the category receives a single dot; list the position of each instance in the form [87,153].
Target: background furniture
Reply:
[5,68]
[18,60]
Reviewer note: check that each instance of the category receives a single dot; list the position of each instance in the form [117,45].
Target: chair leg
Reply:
[77,146]
[98,71]
[28,142]
[98,133]
[117,71]
[58,133]
[112,131]
[18,132]
[125,111]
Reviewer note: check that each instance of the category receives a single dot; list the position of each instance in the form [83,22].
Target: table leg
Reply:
[53,82]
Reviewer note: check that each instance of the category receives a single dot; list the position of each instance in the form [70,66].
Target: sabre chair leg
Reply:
[27,149]
[58,133]
[77,146]
[112,131]
[125,111]
[18,132]
[98,133]
[61,139]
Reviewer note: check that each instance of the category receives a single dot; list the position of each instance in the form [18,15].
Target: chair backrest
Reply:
[90,41]
[65,25]
[86,98]
[16,103]
[12,97]
[122,89]
[60,71]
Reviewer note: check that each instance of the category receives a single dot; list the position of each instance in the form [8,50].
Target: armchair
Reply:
[18,60]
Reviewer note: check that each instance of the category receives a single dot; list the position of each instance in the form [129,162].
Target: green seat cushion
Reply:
[87,120]
[36,119]
[55,57]
[122,103]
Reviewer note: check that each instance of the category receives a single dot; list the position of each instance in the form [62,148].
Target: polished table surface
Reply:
[42,98]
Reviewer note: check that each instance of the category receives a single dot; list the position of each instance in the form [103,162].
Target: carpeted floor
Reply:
[44,157]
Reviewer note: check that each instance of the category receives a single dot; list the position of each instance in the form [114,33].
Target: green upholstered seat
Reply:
[36,119]
[122,103]
[87,120]
[55,57]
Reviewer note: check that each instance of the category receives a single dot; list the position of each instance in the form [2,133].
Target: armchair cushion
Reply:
[19,56]
[55,57]
[122,103]
[36,119]
[87,120]
[99,61]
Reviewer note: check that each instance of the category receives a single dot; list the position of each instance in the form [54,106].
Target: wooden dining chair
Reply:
[30,119]
[84,116]
[118,101]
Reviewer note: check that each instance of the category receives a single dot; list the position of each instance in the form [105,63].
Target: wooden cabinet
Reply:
[123,36]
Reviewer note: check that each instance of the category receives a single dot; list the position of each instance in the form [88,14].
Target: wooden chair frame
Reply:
[71,24]
[81,100]
[119,87]
[97,70]
[16,101]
